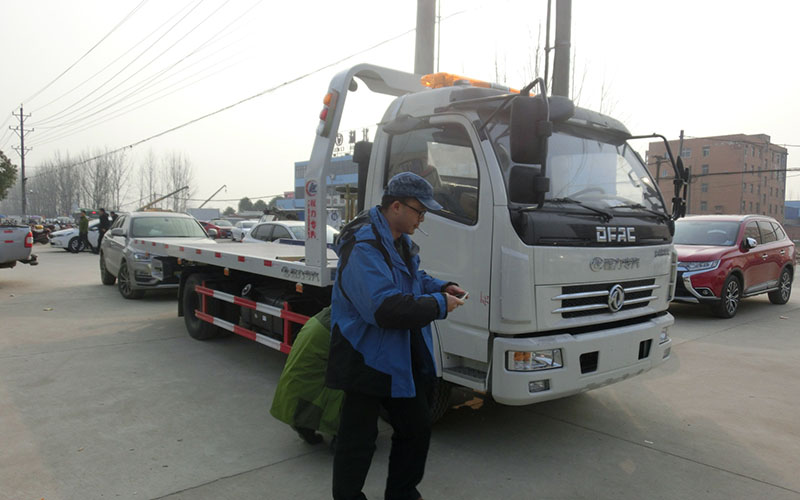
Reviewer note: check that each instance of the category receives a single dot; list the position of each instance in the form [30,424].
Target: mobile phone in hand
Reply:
[463,296]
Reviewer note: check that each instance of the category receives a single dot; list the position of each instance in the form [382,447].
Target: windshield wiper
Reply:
[639,206]
[604,213]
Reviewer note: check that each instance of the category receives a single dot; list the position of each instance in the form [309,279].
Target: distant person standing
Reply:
[83,233]
[105,223]
[114,217]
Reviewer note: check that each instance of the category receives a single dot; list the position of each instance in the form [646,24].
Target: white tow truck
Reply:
[550,220]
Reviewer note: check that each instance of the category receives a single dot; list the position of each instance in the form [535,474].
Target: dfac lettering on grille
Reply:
[599,298]
[615,234]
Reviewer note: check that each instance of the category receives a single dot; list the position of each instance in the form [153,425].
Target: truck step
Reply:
[471,377]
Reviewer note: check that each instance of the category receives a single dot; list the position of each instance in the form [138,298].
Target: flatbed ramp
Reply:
[279,259]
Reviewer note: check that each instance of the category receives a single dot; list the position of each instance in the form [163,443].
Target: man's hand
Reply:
[452,301]
[455,290]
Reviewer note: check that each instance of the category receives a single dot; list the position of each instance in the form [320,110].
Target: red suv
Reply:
[723,258]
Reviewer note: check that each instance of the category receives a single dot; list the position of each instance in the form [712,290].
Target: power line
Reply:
[136,89]
[242,101]
[118,58]
[53,116]
[131,13]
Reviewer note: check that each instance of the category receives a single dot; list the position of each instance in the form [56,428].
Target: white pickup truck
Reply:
[16,244]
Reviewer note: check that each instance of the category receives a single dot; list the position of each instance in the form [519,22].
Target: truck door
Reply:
[459,241]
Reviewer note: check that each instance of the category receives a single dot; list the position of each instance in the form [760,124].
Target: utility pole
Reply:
[423,56]
[562,45]
[688,177]
[21,150]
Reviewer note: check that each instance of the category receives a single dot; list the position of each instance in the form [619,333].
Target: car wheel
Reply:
[106,277]
[124,283]
[191,301]
[74,245]
[784,291]
[731,295]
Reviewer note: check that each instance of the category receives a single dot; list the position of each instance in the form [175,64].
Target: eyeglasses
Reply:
[420,213]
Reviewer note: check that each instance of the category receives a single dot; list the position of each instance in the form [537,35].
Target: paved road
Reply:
[106,398]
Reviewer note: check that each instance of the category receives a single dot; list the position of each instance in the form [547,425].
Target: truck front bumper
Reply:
[588,361]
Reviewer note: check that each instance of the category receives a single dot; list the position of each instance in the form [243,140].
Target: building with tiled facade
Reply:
[730,174]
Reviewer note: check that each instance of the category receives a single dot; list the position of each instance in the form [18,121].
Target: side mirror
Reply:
[526,185]
[212,233]
[750,243]
[530,127]
[117,231]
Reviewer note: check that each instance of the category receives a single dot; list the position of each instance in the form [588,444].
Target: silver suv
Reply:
[136,271]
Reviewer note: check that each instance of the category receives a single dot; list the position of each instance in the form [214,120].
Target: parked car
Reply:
[285,229]
[135,271]
[241,228]
[724,258]
[68,238]
[221,231]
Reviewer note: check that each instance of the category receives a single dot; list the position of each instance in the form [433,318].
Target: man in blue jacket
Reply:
[381,346]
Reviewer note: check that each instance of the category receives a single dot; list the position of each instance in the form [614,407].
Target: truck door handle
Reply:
[783,252]
[764,256]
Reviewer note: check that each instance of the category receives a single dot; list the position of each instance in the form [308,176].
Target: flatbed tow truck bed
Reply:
[282,259]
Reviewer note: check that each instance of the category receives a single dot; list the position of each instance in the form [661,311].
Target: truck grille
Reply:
[586,300]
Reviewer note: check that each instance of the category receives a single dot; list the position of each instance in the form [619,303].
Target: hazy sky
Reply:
[710,68]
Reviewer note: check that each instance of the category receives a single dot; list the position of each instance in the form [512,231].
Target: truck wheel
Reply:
[784,291]
[74,245]
[441,399]
[731,295]
[106,277]
[197,328]
[124,284]
[440,402]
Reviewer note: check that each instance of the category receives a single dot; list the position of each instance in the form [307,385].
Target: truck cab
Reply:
[550,220]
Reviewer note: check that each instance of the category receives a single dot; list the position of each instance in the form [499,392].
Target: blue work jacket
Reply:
[379,301]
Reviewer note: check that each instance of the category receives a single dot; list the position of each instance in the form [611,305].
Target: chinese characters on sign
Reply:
[601,264]
[341,148]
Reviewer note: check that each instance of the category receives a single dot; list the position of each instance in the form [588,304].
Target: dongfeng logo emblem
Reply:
[616,298]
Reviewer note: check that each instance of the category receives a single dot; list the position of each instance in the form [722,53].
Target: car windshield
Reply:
[690,232]
[174,227]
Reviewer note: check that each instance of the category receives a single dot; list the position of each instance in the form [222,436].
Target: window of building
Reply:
[758,207]
[687,152]
[665,172]
[744,187]
[751,188]
[706,150]
[703,206]
[751,207]
[704,169]
[743,206]
[719,209]
[704,187]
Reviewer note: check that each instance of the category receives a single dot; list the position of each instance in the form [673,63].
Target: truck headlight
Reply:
[141,257]
[664,337]
[528,361]
[698,266]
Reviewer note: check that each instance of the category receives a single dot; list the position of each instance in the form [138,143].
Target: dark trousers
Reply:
[84,238]
[410,419]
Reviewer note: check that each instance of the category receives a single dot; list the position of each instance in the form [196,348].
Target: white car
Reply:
[241,228]
[68,238]
[284,229]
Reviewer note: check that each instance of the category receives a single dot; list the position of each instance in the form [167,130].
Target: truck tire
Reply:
[440,402]
[106,277]
[124,284]
[784,291]
[441,399]
[197,328]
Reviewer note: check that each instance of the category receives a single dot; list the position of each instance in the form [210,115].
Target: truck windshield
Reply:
[601,174]
[157,227]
